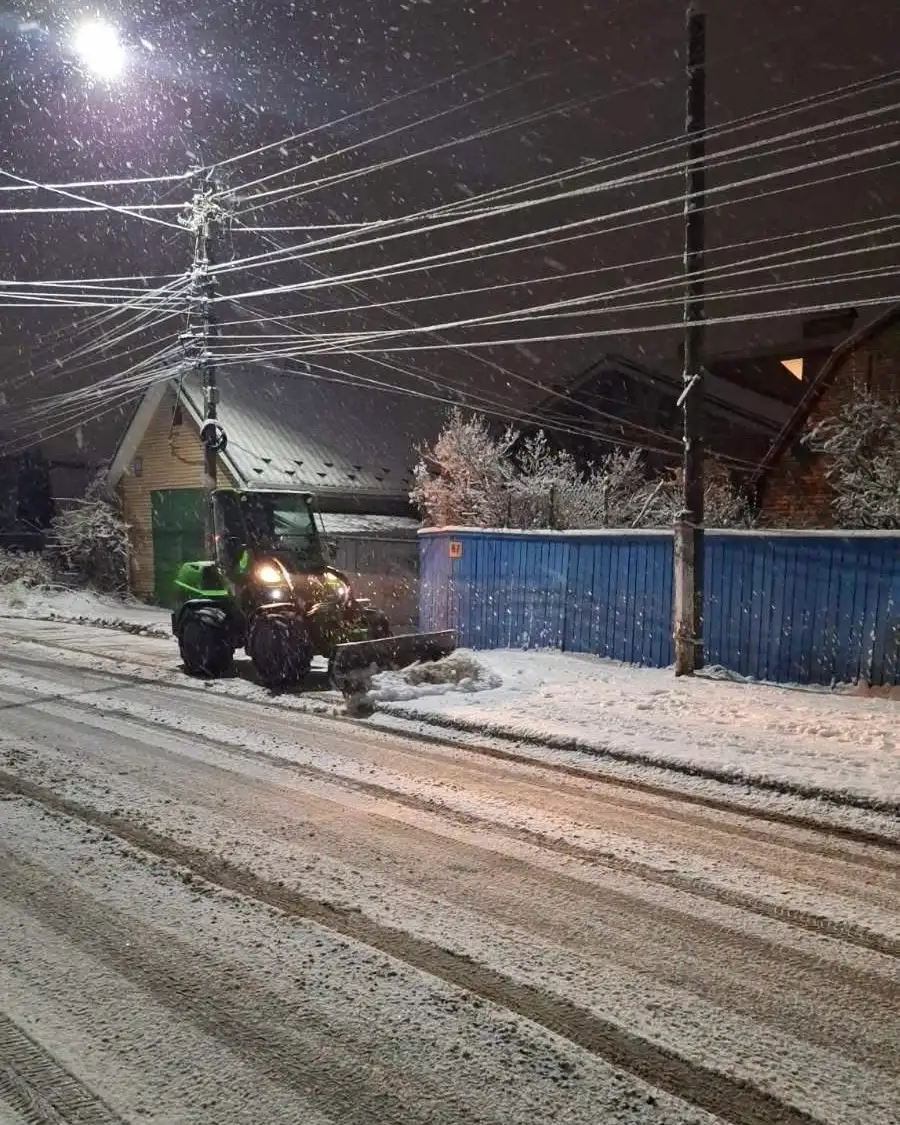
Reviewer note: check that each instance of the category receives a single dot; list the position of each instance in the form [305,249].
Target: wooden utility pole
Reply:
[689,539]
[204,221]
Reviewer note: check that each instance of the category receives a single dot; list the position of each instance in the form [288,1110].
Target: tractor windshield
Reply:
[282,522]
[273,523]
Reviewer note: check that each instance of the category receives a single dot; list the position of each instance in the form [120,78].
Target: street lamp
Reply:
[99,48]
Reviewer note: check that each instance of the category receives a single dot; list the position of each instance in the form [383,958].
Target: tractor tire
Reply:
[279,648]
[204,645]
[377,625]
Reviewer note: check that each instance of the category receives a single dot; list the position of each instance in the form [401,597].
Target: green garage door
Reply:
[177,515]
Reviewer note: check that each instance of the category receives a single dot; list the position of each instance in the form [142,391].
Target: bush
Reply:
[861,444]
[24,566]
[92,539]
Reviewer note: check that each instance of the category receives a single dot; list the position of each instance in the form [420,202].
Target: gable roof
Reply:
[338,439]
[824,378]
[723,397]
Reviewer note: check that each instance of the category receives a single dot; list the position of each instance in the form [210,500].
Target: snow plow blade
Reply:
[355,664]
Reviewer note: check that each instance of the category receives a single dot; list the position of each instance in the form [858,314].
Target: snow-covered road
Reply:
[213,910]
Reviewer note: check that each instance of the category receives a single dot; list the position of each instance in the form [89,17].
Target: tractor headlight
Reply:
[338,590]
[270,574]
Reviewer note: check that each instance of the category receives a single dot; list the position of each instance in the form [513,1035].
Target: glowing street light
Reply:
[101,51]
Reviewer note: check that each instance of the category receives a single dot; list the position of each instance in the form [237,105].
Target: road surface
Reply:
[217,910]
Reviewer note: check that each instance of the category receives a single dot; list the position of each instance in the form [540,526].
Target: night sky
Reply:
[550,84]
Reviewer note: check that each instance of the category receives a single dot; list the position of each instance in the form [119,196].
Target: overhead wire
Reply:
[128,182]
[568,276]
[738,269]
[82,199]
[435,260]
[328,245]
[886,80]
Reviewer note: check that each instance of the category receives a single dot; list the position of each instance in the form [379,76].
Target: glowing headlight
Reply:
[269,574]
[338,590]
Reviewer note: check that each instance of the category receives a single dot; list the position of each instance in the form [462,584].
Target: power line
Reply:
[447,256]
[34,186]
[82,199]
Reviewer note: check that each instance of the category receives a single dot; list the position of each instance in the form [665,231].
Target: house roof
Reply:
[296,431]
[824,378]
[724,397]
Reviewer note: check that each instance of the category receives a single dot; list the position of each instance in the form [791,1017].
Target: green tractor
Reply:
[271,591]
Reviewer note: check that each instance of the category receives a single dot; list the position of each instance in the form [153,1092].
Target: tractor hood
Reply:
[279,574]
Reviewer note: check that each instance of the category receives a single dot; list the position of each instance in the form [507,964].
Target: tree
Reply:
[461,479]
[92,539]
[861,445]
[471,478]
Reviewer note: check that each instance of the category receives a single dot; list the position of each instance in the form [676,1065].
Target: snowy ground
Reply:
[809,741]
[457,937]
[44,603]
[814,743]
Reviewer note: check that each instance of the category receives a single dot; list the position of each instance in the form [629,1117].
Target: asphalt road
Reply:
[215,910]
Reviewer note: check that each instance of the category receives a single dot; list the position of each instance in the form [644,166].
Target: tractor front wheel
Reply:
[377,625]
[204,646]
[279,648]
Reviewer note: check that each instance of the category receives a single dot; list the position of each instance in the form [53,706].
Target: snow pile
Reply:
[802,741]
[459,672]
[82,607]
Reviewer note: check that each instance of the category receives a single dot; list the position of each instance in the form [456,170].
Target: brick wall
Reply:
[795,491]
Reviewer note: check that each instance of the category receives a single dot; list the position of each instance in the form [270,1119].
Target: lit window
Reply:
[795,366]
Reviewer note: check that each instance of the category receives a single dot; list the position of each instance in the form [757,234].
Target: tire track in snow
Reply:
[296,1049]
[732,1099]
[842,930]
[40,1089]
[829,830]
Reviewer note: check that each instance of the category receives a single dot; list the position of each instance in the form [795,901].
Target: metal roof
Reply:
[294,431]
[364,524]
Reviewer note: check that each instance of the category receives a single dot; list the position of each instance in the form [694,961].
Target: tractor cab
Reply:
[278,528]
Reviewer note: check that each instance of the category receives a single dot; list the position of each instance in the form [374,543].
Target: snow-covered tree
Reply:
[470,477]
[725,503]
[461,479]
[27,567]
[861,444]
[92,538]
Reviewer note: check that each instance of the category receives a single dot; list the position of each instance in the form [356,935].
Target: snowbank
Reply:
[82,607]
[805,741]
[460,672]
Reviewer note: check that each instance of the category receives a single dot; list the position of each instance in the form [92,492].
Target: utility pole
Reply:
[689,538]
[205,217]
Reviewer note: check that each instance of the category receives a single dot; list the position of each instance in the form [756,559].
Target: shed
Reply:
[352,446]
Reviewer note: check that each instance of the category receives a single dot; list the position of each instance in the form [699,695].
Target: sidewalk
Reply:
[816,743]
[83,607]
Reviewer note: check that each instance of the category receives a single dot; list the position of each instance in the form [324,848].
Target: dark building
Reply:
[792,483]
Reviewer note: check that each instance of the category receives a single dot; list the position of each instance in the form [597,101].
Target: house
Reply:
[352,446]
[27,504]
[791,482]
[618,401]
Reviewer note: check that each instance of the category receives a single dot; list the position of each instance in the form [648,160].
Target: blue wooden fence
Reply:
[792,607]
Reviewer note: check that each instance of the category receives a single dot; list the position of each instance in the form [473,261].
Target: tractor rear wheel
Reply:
[279,647]
[204,645]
